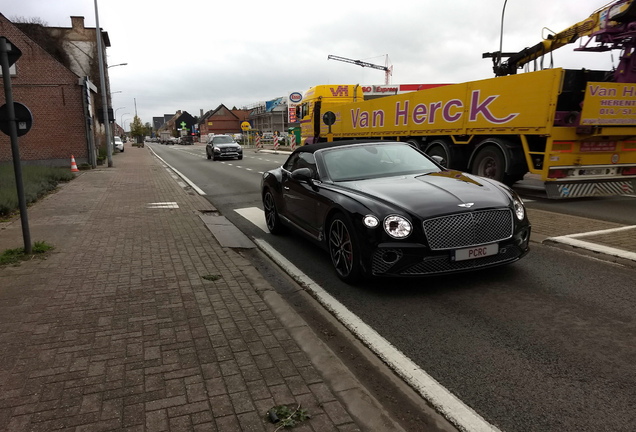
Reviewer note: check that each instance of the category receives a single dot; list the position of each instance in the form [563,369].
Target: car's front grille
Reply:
[468,229]
[435,265]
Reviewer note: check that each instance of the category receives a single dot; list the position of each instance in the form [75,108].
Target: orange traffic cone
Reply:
[73,164]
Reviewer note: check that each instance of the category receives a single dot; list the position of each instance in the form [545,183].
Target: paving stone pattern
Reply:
[118,329]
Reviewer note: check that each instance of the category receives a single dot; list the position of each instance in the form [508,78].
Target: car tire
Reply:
[343,249]
[209,156]
[272,219]
[240,158]
[213,157]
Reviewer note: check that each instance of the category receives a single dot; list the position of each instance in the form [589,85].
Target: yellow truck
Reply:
[574,128]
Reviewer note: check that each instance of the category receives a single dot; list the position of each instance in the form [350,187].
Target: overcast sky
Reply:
[193,55]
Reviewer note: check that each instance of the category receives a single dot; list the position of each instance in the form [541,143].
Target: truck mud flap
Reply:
[593,188]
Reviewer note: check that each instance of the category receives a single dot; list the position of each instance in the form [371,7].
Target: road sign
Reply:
[23,119]
[13,52]
[245,126]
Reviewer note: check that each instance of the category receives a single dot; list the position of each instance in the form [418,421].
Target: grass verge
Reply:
[36,180]
[14,256]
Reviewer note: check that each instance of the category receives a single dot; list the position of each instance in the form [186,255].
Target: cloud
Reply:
[194,55]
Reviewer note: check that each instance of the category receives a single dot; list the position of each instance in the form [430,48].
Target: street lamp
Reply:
[118,110]
[102,78]
[122,118]
[128,119]
[122,121]
[115,120]
[120,64]
[503,11]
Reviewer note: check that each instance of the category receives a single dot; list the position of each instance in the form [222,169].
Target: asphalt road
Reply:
[546,344]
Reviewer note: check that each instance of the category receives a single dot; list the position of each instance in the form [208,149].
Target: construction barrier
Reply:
[292,138]
[275,142]
[258,142]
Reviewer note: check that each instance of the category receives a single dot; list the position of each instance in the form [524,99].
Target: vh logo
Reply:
[340,91]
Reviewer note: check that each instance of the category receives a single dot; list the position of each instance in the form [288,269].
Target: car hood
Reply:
[432,194]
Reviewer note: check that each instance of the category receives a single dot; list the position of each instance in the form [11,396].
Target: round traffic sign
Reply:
[24,119]
[246,126]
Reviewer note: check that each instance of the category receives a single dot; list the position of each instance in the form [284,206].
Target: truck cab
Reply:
[310,114]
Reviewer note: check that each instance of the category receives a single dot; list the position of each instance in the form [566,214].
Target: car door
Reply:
[302,199]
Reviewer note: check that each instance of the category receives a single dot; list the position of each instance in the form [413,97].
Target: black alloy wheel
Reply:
[343,250]
[272,220]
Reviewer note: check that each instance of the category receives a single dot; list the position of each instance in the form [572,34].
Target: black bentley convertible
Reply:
[383,208]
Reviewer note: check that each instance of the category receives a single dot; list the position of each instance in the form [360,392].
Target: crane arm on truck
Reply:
[612,26]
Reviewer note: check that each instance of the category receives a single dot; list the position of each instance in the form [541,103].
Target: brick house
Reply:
[222,121]
[57,95]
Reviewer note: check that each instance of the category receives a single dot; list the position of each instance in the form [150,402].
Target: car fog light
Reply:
[397,226]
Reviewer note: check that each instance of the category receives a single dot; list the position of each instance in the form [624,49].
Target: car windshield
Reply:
[377,160]
[223,140]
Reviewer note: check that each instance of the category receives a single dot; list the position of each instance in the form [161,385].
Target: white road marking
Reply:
[448,404]
[453,409]
[159,205]
[254,215]
[573,240]
[187,180]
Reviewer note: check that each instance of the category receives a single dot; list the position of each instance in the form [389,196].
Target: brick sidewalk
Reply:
[139,320]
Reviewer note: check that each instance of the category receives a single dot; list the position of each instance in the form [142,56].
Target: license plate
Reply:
[590,172]
[476,252]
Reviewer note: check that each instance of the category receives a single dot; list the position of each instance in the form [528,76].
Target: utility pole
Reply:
[9,55]
[102,78]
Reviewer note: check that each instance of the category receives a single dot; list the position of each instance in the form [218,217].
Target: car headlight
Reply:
[520,210]
[397,226]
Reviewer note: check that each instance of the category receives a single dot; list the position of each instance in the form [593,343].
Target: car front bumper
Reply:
[413,260]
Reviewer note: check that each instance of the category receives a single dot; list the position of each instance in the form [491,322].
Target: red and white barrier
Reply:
[258,141]
[275,142]
[292,138]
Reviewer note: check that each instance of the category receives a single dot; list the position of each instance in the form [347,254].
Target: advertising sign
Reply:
[609,104]
[293,99]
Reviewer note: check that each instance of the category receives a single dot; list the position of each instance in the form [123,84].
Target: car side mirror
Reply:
[438,159]
[302,174]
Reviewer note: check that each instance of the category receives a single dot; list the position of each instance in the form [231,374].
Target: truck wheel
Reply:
[490,162]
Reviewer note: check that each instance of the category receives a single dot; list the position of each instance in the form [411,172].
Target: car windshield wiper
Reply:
[426,173]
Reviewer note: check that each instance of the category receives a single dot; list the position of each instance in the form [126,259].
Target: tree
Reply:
[137,129]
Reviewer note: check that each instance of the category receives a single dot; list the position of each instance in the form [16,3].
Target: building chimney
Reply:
[77,22]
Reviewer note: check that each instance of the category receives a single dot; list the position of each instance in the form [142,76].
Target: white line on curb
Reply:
[453,409]
[187,180]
